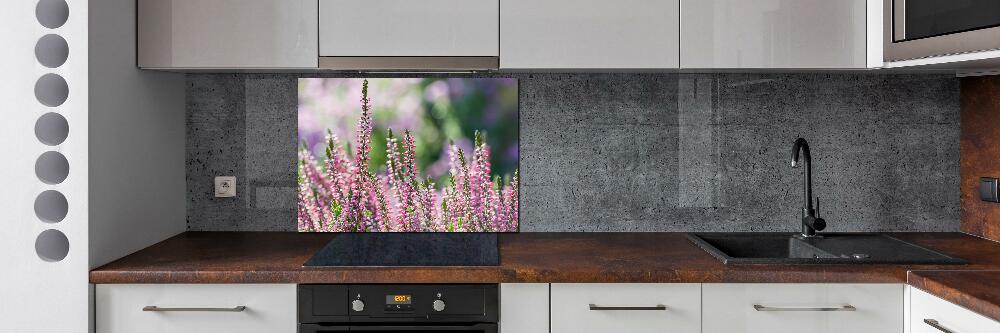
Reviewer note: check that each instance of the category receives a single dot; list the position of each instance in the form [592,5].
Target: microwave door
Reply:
[916,29]
[916,19]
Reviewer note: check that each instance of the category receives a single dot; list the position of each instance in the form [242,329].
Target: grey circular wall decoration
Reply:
[51,50]
[52,13]
[52,245]
[51,206]
[52,167]
[51,129]
[51,90]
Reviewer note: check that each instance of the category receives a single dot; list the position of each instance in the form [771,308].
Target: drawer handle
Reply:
[154,308]
[848,307]
[660,307]
[935,324]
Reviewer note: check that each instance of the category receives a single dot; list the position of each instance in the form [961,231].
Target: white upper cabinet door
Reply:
[814,308]
[773,34]
[626,307]
[409,28]
[589,34]
[227,33]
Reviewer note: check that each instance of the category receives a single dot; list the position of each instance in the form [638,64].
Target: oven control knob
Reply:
[358,305]
[438,305]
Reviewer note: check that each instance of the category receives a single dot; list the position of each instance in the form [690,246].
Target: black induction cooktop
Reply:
[409,249]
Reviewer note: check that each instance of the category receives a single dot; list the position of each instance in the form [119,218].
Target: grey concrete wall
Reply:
[640,152]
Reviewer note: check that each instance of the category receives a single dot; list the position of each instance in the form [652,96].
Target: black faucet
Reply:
[810,221]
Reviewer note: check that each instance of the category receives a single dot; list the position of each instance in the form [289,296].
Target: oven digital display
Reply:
[398,299]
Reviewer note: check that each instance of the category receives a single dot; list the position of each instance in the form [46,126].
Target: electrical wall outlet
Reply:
[988,189]
[225,187]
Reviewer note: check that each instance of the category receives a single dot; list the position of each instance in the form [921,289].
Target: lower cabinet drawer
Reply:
[816,308]
[622,307]
[190,308]
[930,314]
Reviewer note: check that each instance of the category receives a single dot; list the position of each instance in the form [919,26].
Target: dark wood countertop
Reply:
[670,257]
[263,257]
[277,257]
[978,291]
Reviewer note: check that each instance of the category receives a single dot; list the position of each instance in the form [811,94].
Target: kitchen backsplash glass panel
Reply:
[407,155]
[637,151]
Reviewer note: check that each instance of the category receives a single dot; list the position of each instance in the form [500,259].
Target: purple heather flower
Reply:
[338,193]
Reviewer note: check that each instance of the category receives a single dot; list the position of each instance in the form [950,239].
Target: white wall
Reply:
[137,188]
[125,149]
[38,295]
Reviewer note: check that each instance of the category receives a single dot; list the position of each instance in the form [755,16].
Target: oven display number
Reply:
[398,302]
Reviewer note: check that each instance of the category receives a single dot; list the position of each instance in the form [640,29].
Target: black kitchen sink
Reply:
[837,248]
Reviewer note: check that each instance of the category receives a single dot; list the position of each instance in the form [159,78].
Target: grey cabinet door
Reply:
[228,33]
[408,28]
[774,34]
[589,34]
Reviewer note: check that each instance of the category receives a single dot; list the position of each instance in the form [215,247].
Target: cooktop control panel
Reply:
[398,303]
[418,302]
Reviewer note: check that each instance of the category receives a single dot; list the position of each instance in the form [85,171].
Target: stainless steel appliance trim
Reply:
[658,307]
[957,43]
[409,63]
[848,307]
[935,324]
[154,308]
[898,20]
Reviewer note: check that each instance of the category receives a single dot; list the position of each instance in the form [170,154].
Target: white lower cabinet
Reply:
[930,314]
[524,307]
[196,308]
[816,308]
[625,307]
[570,308]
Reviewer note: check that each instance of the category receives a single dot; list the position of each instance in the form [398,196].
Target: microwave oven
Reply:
[915,29]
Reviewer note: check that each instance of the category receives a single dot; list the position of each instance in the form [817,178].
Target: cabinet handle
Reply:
[594,307]
[935,324]
[154,308]
[848,307]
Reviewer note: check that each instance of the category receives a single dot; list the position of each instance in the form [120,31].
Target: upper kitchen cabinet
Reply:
[407,34]
[589,34]
[780,34]
[195,34]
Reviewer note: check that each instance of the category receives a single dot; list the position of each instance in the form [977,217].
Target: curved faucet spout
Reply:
[807,188]
[800,144]
[810,222]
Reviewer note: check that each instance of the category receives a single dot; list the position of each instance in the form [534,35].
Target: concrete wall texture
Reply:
[639,152]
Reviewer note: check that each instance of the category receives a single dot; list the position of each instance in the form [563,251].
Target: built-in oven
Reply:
[928,28]
[386,308]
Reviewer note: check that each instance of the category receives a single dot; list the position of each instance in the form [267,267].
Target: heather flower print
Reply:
[408,155]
